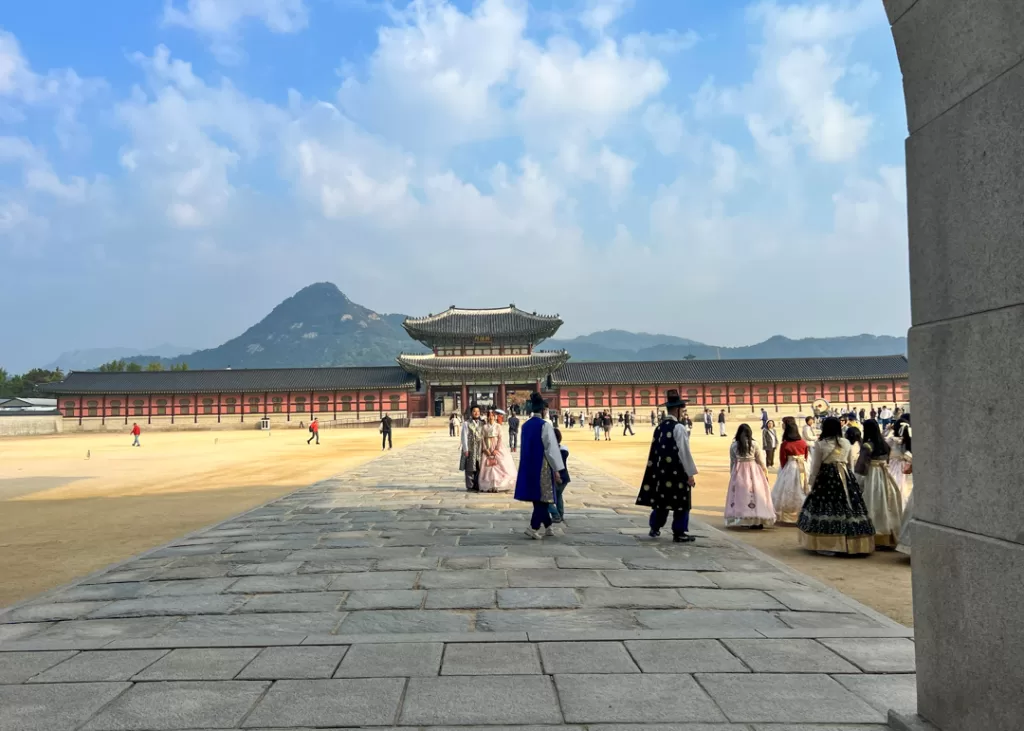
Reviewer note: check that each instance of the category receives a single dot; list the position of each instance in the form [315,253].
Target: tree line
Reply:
[26,385]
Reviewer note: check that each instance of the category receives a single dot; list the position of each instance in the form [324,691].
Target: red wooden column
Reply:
[335,402]
[149,410]
[430,402]
[380,404]
[126,409]
[750,390]
[464,406]
[195,409]
[775,396]
[103,418]
[501,395]
[288,406]
[799,388]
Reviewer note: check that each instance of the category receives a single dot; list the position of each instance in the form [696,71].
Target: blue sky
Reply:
[722,171]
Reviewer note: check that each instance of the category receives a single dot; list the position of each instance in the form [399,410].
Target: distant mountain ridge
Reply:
[88,358]
[320,326]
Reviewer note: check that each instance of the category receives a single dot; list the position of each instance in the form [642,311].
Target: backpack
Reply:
[310,428]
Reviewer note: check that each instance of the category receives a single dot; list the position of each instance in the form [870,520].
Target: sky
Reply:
[719,170]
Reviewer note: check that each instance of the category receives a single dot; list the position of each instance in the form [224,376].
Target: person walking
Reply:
[472,447]
[627,425]
[451,425]
[557,508]
[807,432]
[748,501]
[708,428]
[764,422]
[670,475]
[513,432]
[721,423]
[385,430]
[882,496]
[136,431]
[595,421]
[790,488]
[834,519]
[314,431]
[770,442]
[606,426]
[541,468]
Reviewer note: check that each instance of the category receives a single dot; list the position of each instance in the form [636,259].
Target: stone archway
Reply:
[963,76]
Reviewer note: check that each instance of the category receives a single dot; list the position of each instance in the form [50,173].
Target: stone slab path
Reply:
[389,597]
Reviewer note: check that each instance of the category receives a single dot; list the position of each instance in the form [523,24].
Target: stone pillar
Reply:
[465,399]
[963,69]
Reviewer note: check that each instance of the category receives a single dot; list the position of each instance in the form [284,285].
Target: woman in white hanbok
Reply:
[898,451]
[908,509]
[748,501]
[497,470]
[791,482]
[882,496]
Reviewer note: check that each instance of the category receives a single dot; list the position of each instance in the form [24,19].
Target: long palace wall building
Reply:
[484,356]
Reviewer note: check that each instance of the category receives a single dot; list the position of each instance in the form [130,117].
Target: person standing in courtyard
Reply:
[764,423]
[770,442]
[627,424]
[791,482]
[497,471]
[670,474]
[748,501]
[606,425]
[472,446]
[136,431]
[721,423]
[513,432]
[881,494]
[807,432]
[451,425]
[898,451]
[834,519]
[314,431]
[708,423]
[595,421]
[557,508]
[385,430]
[541,468]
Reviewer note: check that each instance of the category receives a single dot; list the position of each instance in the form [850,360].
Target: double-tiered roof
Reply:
[521,368]
[498,326]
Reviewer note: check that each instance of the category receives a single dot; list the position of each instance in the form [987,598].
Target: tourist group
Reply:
[839,482]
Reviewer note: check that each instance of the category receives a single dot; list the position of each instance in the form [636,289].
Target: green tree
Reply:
[114,366]
[183,366]
[133,368]
[155,366]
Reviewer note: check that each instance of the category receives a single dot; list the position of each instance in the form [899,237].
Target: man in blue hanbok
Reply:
[540,467]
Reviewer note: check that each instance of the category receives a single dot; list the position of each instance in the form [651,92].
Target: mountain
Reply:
[320,326]
[83,360]
[317,326]
[610,345]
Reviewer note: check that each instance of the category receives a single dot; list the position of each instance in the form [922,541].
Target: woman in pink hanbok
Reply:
[497,471]
[749,499]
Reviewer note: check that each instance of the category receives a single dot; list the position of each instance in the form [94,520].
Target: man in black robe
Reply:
[669,477]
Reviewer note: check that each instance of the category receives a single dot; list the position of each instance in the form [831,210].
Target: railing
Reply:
[352,423]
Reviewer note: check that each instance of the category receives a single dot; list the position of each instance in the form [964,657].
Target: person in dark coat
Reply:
[669,477]
[513,432]
[541,468]
[627,425]
[385,430]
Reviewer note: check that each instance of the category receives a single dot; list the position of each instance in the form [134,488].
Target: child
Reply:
[557,508]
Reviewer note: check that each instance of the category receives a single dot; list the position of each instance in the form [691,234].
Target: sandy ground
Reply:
[63,515]
[881,581]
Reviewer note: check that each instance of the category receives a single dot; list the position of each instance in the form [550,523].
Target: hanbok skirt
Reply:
[790,490]
[896,470]
[497,473]
[908,514]
[884,502]
[749,500]
[834,517]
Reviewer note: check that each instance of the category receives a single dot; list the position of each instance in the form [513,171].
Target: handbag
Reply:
[908,464]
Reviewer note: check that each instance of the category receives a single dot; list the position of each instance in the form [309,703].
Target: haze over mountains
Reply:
[320,326]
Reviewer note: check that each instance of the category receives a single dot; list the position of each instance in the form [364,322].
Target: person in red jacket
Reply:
[135,432]
[314,430]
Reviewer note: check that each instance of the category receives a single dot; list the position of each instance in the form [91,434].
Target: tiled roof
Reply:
[535,365]
[507,324]
[249,380]
[765,370]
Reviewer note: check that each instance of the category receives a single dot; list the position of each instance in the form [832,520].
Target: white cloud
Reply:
[38,175]
[598,15]
[660,44]
[665,126]
[793,99]
[187,138]
[219,20]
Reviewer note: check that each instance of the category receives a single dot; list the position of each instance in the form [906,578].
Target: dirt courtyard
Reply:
[881,581]
[64,515]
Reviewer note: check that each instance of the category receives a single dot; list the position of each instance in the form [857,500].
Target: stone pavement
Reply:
[390,597]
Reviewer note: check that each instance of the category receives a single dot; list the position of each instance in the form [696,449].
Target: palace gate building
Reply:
[485,356]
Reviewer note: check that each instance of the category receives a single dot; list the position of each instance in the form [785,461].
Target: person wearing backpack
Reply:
[314,430]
